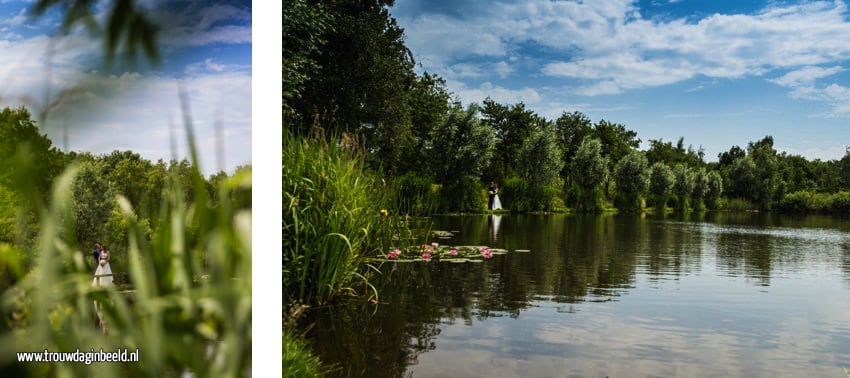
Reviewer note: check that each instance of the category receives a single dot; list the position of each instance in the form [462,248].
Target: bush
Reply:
[414,195]
[514,194]
[839,203]
[330,204]
[804,202]
[736,204]
[463,196]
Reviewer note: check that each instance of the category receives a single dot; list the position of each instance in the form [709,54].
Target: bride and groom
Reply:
[103,273]
[493,196]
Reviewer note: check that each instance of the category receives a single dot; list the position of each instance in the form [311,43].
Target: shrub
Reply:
[414,195]
[463,196]
[839,203]
[514,194]
[329,207]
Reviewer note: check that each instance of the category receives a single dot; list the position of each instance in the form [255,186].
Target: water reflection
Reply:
[707,295]
[493,225]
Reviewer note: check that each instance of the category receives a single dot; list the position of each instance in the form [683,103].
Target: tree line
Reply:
[347,72]
[29,164]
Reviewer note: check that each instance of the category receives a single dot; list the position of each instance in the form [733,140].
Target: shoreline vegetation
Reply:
[371,148]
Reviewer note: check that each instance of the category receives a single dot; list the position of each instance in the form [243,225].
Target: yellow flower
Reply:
[384,212]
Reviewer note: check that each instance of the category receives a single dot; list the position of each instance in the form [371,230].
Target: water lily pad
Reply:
[522,250]
[499,250]
[459,260]
[441,233]
[444,237]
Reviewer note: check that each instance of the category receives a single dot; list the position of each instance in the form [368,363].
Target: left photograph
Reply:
[125,188]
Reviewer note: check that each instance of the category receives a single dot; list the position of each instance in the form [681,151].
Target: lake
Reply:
[707,295]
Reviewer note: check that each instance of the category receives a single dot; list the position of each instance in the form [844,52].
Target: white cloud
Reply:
[609,47]
[499,94]
[130,111]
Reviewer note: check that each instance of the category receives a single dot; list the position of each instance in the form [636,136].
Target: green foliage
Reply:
[514,194]
[700,189]
[27,157]
[804,202]
[683,187]
[571,129]
[463,146]
[357,76]
[414,195]
[666,153]
[93,202]
[714,189]
[661,181]
[513,125]
[736,204]
[839,203]
[589,171]
[328,212]
[8,215]
[462,196]
[540,163]
[304,28]
[298,360]
[181,316]
[631,175]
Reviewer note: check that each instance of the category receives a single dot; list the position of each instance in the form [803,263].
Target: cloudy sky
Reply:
[206,53]
[718,73]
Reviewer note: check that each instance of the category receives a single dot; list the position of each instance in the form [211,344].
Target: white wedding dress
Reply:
[496,203]
[103,268]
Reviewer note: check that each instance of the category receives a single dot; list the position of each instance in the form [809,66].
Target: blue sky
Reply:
[718,73]
[206,48]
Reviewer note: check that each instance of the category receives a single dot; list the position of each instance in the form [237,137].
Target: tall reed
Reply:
[330,206]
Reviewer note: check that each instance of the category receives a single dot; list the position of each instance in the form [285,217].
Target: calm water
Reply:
[620,296]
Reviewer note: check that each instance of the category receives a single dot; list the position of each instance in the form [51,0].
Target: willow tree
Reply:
[540,163]
[684,186]
[631,175]
[661,181]
[589,172]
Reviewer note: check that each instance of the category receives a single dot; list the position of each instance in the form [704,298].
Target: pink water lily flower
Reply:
[435,244]
[487,253]
[426,256]
[393,254]
[453,252]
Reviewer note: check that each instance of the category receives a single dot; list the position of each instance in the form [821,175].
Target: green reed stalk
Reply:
[329,211]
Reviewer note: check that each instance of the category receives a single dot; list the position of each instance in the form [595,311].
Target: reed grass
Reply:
[330,207]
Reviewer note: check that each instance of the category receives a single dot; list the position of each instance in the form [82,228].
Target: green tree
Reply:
[27,157]
[305,25]
[94,201]
[700,189]
[616,141]
[512,126]
[661,181]
[742,178]
[714,189]
[572,129]
[631,175]
[684,185]
[767,180]
[361,82]
[659,151]
[463,146]
[589,172]
[429,106]
[540,161]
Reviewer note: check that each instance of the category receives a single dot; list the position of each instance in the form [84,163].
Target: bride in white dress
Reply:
[103,268]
